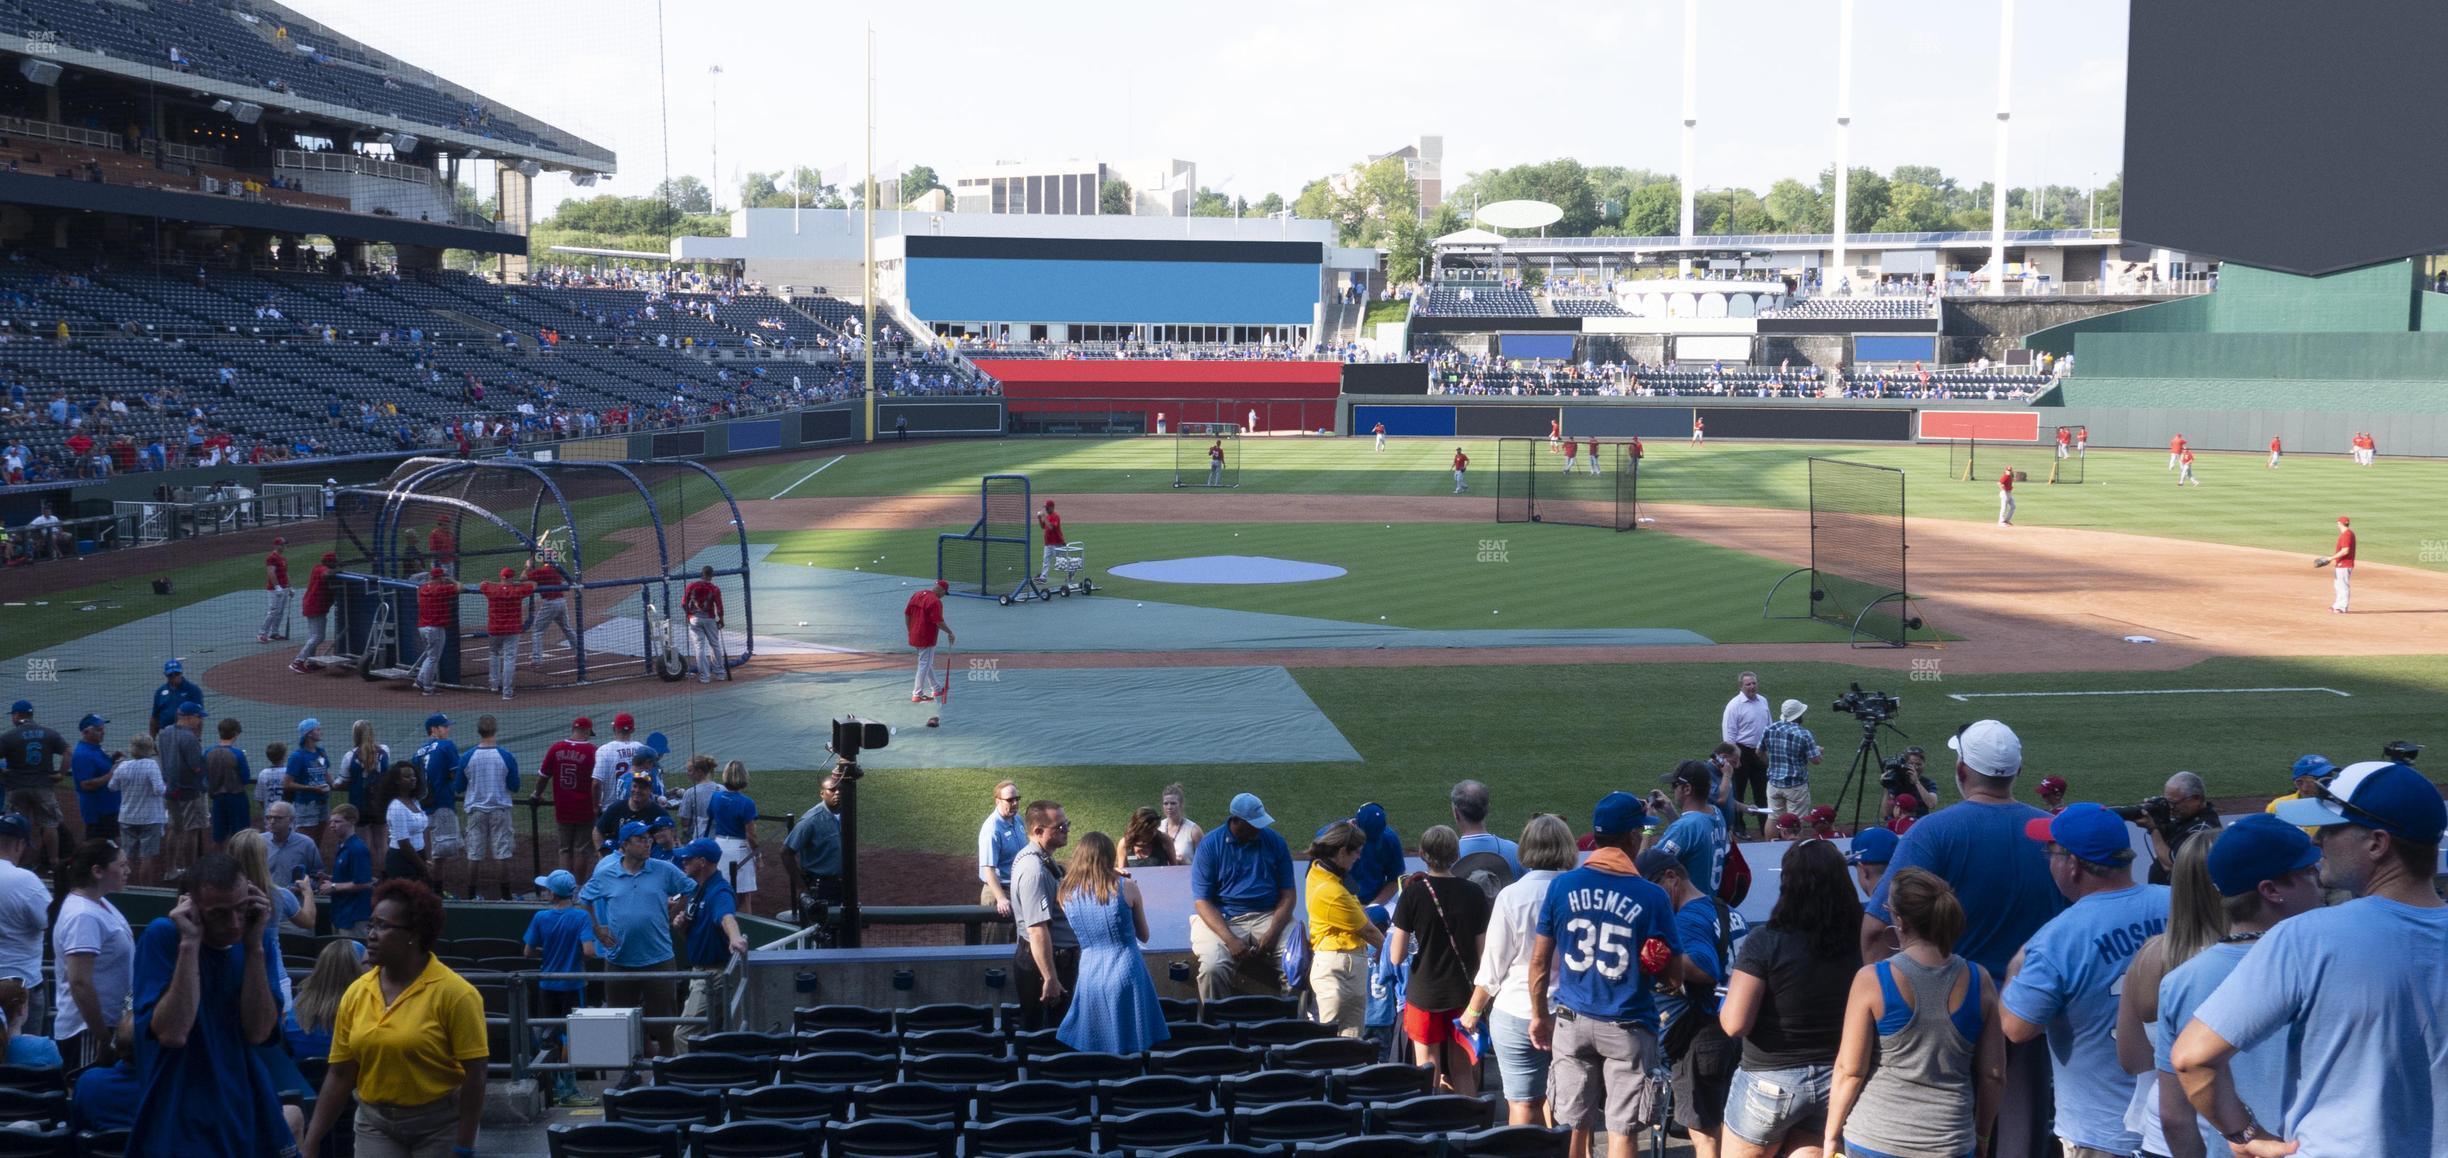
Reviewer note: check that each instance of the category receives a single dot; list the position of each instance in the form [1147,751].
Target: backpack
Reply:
[221,771]
[1734,884]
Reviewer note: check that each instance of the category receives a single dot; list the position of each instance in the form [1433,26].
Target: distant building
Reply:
[1424,162]
[1158,188]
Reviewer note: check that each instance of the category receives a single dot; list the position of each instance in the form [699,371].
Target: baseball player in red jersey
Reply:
[2065,442]
[444,547]
[2184,468]
[1051,524]
[568,777]
[2274,452]
[437,609]
[1593,456]
[1379,431]
[1215,463]
[1461,463]
[1699,430]
[1572,450]
[2176,447]
[276,593]
[925,616]
[703,603]
[505,619]
[1555,435]
[2006,498]
[2342,560]
[317,605]
[551,607]
[1637,449]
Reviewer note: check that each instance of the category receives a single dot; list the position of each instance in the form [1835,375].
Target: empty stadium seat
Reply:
[1154,1092]
[1268,1088]
[1371,1146]
[848,1040]
[33,1079]
[911,1102]
[1384,1082]
[1332,1053]
[1204,1061]
[838,1068]
[937,1042]
[1288,1122]
[663,1106]
[611,1140]
[713,1071]
[1250,1007]
[789,1102]
[49,1107]
[1033,1098]
[891,1138]
[921,1018]
[1281,1031]
[1510,1142]
[743,1041]
[1191,1034]
[1431,1114]
[1165,1129]
[1086,1067]
[757,1139]
[57,1142]
[961,1069]
[1003,1137]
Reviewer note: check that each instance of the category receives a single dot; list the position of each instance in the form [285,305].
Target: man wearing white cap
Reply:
[2354,991]
[1242,889]
[1791,750]
[1977,846]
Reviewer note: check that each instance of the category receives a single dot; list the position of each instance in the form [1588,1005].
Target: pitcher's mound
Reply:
[1228,569]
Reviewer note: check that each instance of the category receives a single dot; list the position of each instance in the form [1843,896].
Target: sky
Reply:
[1266,102]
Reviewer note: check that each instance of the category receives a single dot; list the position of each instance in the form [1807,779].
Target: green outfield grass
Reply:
[1557,738]
[2395,505]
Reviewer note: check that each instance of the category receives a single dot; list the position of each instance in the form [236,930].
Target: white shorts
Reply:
[442,838]
[488,834]
[735,853]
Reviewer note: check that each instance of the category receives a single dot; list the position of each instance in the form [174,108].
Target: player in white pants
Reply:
[429,665]
[1572,450]
[552,613]
[1380,432]
[2006,503]
[276,609]
[703,603]
[1593,459]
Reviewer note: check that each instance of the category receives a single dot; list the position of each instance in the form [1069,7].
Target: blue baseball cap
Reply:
[704,848]
[2381,794]
[646,756]
[1618,812]
[437,720]
[2088,831]
[308,725]
[22,708]
[90,721]
[1370,820]
[190,708]
[1872,846]
[630,829]
[656,742]
[1249,810]
[173,667]
[2310,765]
[660,823]
[15,825]
[2258,848]
[558,882]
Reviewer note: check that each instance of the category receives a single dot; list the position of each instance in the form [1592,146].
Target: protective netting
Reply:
[991,560]
[1857,548]
[1598,485]
[626,539]
[1207,455]
[1982,460]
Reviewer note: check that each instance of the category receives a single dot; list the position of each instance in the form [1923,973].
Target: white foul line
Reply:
[1961,696]
[803,478]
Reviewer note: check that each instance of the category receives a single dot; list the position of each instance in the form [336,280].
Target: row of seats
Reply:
[1857,307]
[1289,1132]
[838,1057]
[1586,307]
[1388,1084]
[1482,303]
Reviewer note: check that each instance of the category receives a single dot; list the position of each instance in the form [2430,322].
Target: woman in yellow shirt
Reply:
[409,1040]
[1340,934]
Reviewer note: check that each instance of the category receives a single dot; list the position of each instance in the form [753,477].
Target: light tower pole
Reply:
[714,132]
[1844,137]
[1997,192]
[1691,121]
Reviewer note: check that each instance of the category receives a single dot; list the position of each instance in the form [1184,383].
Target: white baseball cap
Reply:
[1989,748]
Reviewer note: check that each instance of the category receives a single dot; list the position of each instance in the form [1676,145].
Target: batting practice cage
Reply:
[626,539]
[992,560]
[1983,459]
[1856,578]
[1207,455]
[1599,487]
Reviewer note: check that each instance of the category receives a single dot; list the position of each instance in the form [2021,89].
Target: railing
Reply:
[191,154]
[155,522]
[49,131]
[1729,240]
[350,163]
[527,1056]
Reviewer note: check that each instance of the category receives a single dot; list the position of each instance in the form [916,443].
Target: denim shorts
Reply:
[1524,1069]
[1763,1106]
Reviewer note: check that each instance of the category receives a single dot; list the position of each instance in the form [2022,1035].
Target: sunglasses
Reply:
[2321,790]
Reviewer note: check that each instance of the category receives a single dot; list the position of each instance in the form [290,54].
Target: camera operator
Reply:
[2181,814]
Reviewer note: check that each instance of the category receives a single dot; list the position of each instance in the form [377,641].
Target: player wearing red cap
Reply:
[567,776]
[437,609]
[317,605]
[2006,502]
[2053,793]
[2065,442]
[276,594]
[551,606]
[702,602]
[2184,468]
[924,616]
[444,547]
[2343,561]
[1051,524]
[1572,451]
[1461,463]
[2176,449]
[1379,431]
[2276,448]
[505,619]
[1699,430]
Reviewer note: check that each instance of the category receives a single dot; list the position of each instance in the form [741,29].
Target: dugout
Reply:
[627,535]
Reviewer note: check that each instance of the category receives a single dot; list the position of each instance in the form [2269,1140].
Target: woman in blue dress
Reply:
[1113,1006]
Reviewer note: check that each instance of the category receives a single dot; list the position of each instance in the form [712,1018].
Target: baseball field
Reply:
[2126,627]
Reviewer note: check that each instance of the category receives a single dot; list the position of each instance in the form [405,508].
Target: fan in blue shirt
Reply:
[1372,878]
[1697,835]
[437,761]
[1594,929]
[2074,968]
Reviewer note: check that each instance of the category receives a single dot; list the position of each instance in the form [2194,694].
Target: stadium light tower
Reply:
[1691,119]
[714,118]
[1844,135]
[1997,191]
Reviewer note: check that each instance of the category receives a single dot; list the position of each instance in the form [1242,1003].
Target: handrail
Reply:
[54,131]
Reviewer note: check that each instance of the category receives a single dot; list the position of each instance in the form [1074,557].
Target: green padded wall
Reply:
[2376,299]
[2358,357]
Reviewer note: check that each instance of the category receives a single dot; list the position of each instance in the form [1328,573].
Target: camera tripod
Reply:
[1868,764]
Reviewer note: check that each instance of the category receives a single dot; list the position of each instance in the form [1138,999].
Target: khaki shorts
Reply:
[1339,980]
[1600,1076]
[141,839]
[38,805]
[1796,800]
[488,834]
[191,815]
[442,837]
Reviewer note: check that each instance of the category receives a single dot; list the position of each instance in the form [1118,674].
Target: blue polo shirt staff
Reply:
[1242,889]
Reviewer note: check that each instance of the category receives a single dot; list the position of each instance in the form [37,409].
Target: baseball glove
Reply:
[2319,563]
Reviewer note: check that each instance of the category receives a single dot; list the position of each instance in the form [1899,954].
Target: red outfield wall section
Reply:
[1986,425]
[1287,395]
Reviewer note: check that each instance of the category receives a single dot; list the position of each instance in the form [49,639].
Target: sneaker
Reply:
[579,1101]
[263,639]
[934,721]
[920,697]
[299,666]
[629,1081]
[509,695]
[429,691]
